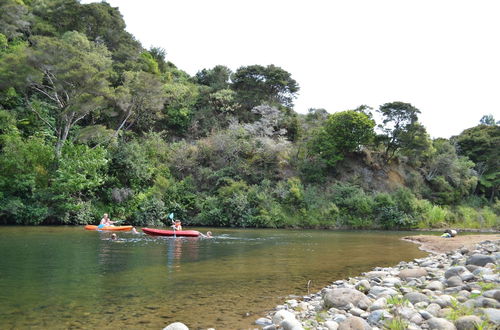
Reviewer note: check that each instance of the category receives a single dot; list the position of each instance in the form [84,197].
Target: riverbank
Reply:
[458,289]
[437,244]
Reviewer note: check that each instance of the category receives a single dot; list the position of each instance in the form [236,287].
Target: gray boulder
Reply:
[493,314]
[269,327]
[381,291]
[380,303]
[469,322]
[496,295]
[282,315]
[454,281]
[454,271]
[486,302]
[363,286]
[375,273]
[354,323]
[445,301]
[425,314]
[377,316]
[416,297]
[263,321]
[291,324]
[490,278]
[480,260]
[331,325]
[433,309]
[342,297]
[437,323]
[412,273]
[176,326]
[391,281]
[435,286]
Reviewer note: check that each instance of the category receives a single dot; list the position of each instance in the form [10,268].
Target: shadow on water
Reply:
[63,277]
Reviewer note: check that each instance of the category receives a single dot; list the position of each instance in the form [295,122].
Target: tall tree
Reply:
[68,74]
[140,100]
[257,84]
[217,78]
[399,126]
[14,18]
[342,133]
[482,145]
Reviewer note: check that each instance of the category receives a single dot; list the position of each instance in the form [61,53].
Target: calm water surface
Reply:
[66,277]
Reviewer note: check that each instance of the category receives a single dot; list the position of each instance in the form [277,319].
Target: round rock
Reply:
[354,323]
[437,323]
[282,315]
[480,260]
[469,322]
[342,297]
[412,273]
[416,297]
[176,326]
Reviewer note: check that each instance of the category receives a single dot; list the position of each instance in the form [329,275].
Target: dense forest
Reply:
[91,122]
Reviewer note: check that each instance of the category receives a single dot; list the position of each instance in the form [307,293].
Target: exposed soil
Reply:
[437,244]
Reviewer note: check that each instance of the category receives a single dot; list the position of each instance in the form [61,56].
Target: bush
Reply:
[151,212]
[433,216]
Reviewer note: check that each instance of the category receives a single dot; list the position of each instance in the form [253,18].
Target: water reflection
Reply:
[179,246]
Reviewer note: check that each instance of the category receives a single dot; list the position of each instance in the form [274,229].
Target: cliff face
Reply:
[369,171]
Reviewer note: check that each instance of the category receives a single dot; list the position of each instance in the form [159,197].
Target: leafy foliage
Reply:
[91,122]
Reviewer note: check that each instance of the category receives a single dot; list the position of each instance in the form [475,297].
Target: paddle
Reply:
[171,217]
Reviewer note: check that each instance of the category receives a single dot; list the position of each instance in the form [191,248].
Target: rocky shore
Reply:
[459,289]
[454,290]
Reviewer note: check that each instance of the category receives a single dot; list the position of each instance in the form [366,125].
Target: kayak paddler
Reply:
[105,221]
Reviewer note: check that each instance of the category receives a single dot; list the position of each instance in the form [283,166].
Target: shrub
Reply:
[151,212]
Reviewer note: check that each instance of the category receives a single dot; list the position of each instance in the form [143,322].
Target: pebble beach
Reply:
[457,289]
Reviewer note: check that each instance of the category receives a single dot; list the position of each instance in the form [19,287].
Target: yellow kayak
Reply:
[109,228]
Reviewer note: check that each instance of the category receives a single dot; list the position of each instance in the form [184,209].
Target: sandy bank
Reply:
[437,244]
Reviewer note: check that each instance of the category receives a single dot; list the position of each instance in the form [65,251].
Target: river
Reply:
[67,277]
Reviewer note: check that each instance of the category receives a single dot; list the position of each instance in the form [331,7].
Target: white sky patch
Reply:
[441,56]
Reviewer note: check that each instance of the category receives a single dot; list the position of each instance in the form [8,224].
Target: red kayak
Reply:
[161,232]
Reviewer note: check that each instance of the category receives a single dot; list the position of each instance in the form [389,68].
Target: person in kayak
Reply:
[176,225]
[105,221]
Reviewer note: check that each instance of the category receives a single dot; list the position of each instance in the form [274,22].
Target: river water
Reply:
[67,277]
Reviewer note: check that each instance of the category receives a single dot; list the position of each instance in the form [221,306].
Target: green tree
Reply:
[488,120]
[14,18]
[399,126]
[140,101]
[69,74]
[450,176]
[217,78]
[482,145]
[257,84]
[349,130]
[159,54]
[342,133]
[25,174]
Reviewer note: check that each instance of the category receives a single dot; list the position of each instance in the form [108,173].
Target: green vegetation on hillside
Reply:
[91,122]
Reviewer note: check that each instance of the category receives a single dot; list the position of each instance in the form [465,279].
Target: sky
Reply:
[442,56]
